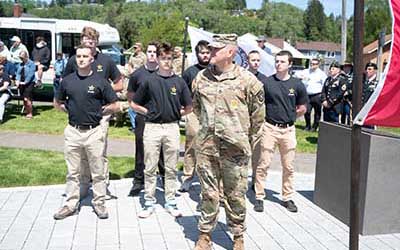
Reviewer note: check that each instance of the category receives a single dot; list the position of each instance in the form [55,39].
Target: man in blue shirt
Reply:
[25,80]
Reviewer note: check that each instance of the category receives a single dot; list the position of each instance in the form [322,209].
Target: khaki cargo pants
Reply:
[156,135]
[85,174]
[285,139]
[189,161]
[79,144]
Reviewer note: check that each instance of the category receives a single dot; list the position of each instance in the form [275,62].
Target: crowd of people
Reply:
[21,69]
[235,119]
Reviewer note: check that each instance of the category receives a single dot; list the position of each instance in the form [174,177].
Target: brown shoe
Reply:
[204,242]
[238,243]
[101,211]
[63,213]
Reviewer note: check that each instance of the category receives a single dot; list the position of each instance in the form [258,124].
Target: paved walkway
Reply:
[305,163]
[26,223]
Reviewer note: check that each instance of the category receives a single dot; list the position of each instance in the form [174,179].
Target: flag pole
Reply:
[185,44]
[358,37]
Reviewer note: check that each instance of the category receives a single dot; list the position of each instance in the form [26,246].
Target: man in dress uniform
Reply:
[334,88]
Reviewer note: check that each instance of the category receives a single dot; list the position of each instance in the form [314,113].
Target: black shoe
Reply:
[259,206]
[307,128]
[136,189]
[290,206]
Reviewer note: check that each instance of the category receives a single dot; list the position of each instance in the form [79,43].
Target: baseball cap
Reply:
[335,64]
[221,40]
[15,39]
[261,39]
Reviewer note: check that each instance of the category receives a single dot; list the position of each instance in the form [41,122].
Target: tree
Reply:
[377,18]
[314,21]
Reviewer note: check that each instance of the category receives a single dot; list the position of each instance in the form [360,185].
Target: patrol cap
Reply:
[221,40]
[371,64]
[347,63]
[15,39]
[138,45]
[335,64]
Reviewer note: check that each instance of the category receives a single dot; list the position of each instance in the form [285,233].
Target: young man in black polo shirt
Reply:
[83,95]
[160,99]
[137,78]
[107,69]
[203,55]
[285,99]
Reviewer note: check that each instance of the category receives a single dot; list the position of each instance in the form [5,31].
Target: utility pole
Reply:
[356,129]
[381,44]
[343,49]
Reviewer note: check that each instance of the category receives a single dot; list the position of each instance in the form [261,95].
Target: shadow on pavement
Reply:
[308,194]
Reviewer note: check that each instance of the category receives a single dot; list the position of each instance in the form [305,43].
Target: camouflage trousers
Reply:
[230,167]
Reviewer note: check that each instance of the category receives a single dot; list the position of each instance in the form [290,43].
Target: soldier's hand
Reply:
[325,104]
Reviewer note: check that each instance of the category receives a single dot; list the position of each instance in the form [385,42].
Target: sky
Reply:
[330,6]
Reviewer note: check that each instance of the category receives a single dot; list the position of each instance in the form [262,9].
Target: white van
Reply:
[61,35]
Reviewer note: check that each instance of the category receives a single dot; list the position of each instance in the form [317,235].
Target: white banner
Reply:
[246,43]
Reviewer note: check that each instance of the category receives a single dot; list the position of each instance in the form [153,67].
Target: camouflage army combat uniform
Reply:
[137,60]
[231,111]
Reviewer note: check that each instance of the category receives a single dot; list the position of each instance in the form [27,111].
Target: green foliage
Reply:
[282,20]
[314,21]
[377,18]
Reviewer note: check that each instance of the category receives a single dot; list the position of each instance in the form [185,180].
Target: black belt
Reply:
[280,125]
[84,127]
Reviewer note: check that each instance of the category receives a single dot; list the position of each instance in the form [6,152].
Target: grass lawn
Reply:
[25,167]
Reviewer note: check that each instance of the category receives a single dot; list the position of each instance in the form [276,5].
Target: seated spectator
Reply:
[15,50]
[4,94]
[25,80]
[41,56]
[9,68]
[4,51]
[59,67]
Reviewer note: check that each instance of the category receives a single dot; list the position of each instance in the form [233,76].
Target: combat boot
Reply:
[204,242]
[238,242]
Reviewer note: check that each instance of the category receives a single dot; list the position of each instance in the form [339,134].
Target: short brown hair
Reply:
[164,48]
[253,52]
[90,32]
[285,53]
[84,46]
[39,39]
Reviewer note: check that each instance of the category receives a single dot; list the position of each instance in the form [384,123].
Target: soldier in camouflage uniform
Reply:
[229,102]
[137,59]
[177,62]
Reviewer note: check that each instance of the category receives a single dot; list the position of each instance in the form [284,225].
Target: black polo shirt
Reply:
[190,73]
[261,77]
[138,77]
[282,97]
[85,96]
[163,97]
[103,65]
[4,78]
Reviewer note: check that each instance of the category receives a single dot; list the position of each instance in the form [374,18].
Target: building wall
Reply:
[373,57]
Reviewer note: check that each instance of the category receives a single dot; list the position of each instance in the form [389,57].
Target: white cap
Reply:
[15,39]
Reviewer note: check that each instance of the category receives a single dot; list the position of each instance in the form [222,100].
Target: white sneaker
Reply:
[146,211]
[173,210]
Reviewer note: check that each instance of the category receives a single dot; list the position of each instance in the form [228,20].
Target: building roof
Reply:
[372,47]
[318,46]
[277,42]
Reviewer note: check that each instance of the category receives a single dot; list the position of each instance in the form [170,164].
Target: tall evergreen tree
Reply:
[314,21]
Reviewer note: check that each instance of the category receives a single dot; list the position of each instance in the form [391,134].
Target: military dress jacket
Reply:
[333,91]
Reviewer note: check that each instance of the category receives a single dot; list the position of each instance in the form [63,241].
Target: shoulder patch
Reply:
[344,87]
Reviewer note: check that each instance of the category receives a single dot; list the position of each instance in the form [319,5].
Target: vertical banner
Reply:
[383,108]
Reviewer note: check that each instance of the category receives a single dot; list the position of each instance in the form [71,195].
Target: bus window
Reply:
[6,34]
[69,42]
[28,38]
